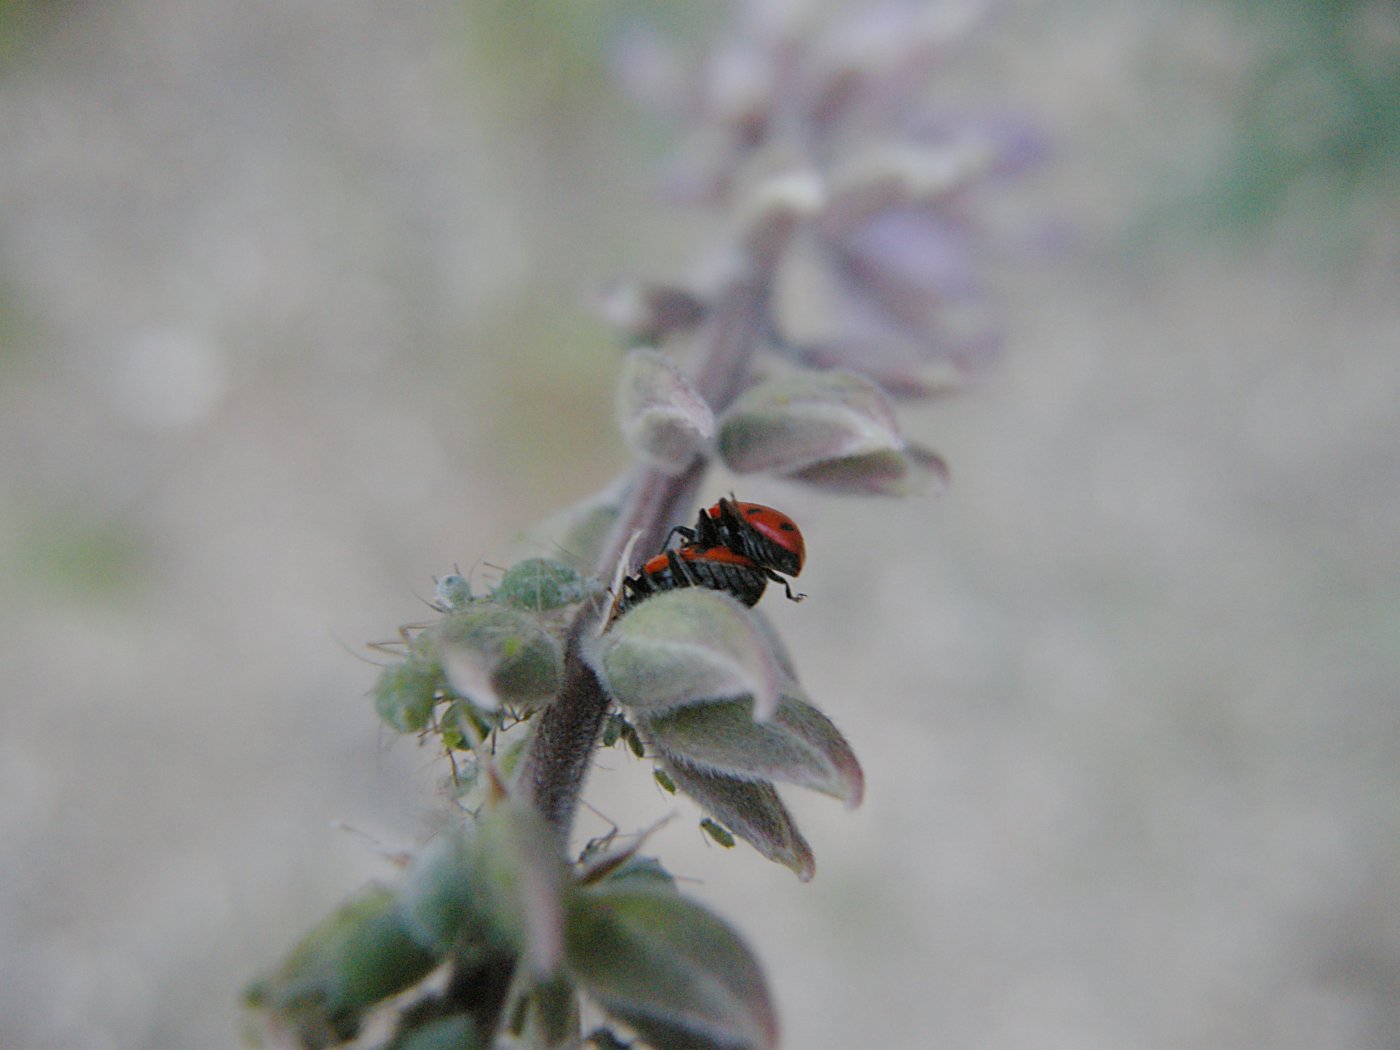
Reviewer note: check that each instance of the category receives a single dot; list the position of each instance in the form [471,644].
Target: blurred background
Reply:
[293,317]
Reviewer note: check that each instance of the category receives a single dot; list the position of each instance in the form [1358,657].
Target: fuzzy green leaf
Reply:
[685,647]
[362,953]
[910,471]
[492,886]
[663,417]
[669,968]
[494,655]
[799,420]
[553,1015]
[798,745]
[455,1032]
[642,873]
[786,667]
[447,902]
[406,692]
[751,809]
[526,864]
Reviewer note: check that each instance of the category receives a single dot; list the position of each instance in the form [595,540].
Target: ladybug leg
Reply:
[683,574]
[707,531]
[730,516]
[786,589]
[684,532]
[729,529]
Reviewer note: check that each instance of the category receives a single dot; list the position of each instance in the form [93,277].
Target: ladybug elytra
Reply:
[766,536]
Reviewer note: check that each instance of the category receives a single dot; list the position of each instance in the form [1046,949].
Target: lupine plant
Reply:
[819,146]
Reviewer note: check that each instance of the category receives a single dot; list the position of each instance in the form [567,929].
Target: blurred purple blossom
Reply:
[893,258]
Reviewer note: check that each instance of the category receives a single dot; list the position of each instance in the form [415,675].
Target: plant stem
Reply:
[561,750]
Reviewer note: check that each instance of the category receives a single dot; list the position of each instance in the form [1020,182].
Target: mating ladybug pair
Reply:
[734,547]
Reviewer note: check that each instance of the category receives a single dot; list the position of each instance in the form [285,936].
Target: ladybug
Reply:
[734,547]
[767,537]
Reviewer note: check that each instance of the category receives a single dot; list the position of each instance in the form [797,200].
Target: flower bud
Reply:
[663,417]
[495,655]
[406,692]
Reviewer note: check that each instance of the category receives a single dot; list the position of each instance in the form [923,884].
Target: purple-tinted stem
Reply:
[561,750]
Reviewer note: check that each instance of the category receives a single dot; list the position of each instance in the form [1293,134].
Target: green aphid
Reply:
[718,832]
[612,729]
[462,725]
[452,592]
[406,693]
[634,740]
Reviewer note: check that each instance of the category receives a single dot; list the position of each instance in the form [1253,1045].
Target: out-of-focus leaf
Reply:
[494,655]
[492,886]
[798,421]
[606,1039]
[670,969]
[577,533]
[406,692]
[446,900]
[685,647]
[798,745]
[776,645]
[642,873]
[525,861]
[440,1033]
[911,471]
[553,1019]
[362,953]
[663,417]
[902,367]
[750,809]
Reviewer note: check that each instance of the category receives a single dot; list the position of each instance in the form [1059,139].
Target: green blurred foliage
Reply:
[1318,119]
[551,56]
[73,555]
[562,369]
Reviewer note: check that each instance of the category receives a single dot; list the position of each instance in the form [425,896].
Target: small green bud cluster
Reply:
[489,661]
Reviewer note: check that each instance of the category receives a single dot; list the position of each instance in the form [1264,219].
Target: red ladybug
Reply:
[734,547]
[766,536]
